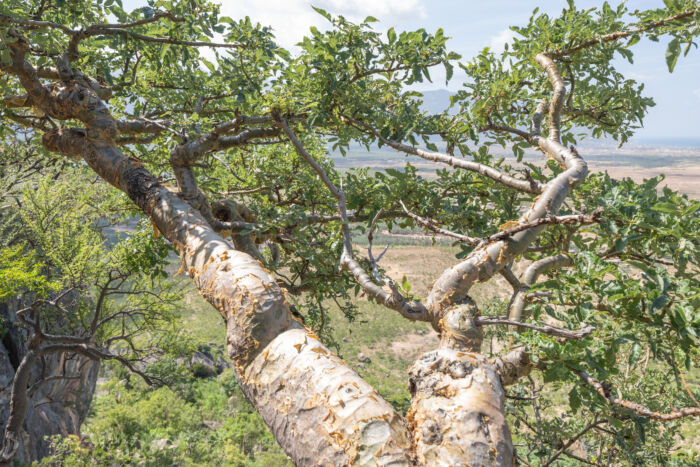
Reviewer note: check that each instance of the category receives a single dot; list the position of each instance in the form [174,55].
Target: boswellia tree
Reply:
[226,153]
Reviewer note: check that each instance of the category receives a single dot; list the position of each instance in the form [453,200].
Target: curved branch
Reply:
[413,309]
[513,366]
[487,260]
[558,94]
[527,186]
[517,310]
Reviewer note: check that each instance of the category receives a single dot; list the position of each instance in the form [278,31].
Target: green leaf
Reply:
[323,13]
[391,35]
[209,65]
[449,71]
[575,400]
[672,52]
[405,284]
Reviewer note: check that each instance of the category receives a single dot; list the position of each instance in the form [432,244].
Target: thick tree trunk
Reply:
[56,407]
[456,414]
[319,410]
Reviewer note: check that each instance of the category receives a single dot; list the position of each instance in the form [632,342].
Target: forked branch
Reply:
[517,309]
[411,309]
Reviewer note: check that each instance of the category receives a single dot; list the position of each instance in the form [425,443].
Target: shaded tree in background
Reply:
[243,132]
[70,299]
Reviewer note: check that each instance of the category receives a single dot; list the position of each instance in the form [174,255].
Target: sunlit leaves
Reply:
[20,272]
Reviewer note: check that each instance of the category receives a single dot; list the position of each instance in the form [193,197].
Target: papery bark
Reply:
[319,410]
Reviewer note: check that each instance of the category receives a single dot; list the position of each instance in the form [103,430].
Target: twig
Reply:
[428,224]
[604,391]
[545,329]
[373,262]
[568,444]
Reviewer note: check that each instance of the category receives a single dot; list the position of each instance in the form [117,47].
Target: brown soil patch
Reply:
[682,177]
[411,345]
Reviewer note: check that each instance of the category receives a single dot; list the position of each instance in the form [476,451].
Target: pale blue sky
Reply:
[473,25]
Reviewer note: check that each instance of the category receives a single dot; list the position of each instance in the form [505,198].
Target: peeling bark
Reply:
[456,414]
[319,410]
[454,284]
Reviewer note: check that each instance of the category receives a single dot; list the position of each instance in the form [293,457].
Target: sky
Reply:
[474,24]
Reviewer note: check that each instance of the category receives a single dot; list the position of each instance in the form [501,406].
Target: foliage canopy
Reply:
[245,129]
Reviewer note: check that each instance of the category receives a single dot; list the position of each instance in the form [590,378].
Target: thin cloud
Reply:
[291,19]
[696,92]
[498,42]
[382,9]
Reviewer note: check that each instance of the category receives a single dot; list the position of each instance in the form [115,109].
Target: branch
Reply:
[34,24]
[429,224]
[36,386]
[372,260]
[309,219]
[141,22]
[508,275]
[375,71]
[568,444]
[545,328]
[413,310]
[142,125]
[487,260]
[186,154]
[126,140]
[527,186]
[114,29]
[513,366]
[560,53]
[604,391]
[517,310]
[557,100]
[549,220]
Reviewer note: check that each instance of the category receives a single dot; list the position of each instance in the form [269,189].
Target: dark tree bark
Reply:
[60,389]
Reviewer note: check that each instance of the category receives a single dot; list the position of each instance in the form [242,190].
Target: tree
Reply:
[244,131]
[70,301]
